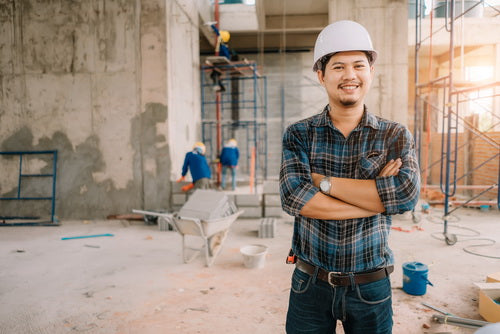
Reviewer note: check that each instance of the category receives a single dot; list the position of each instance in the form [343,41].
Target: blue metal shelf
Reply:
[32,220]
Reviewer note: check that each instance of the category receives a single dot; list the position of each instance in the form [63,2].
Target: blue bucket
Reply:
[415,278]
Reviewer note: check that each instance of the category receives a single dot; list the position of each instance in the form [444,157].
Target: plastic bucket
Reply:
[254,256]
[415,278]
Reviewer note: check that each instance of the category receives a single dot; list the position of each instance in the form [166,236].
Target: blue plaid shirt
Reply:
[315,145]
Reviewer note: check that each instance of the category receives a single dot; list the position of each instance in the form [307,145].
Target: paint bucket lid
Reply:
[415,266]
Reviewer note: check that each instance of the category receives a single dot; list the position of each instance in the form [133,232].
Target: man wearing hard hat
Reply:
[229,161]
[223,37]
[344,172]
[197,164]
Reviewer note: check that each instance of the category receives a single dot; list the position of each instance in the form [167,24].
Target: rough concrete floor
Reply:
[136,282]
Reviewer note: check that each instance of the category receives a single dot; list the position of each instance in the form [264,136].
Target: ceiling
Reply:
[293,25]
[275,25]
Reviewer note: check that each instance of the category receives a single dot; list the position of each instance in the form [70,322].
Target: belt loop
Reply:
[386,272]
[351,278]
[315,275]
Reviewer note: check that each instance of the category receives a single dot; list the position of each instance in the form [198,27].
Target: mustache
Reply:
[349,83]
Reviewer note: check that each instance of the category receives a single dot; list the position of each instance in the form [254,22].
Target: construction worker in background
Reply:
[229,161]
[223,37]
[196,163]
[221,49]
[344,171]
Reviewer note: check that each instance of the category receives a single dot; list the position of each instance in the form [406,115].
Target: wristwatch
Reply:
[325,185]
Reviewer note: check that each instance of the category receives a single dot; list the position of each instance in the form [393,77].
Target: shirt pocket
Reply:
[370,165]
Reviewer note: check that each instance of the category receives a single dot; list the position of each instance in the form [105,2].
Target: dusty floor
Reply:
[135,281]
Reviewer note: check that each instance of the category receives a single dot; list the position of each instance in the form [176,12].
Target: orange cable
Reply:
[252,169]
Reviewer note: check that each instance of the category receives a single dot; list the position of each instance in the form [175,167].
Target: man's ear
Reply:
[321,77]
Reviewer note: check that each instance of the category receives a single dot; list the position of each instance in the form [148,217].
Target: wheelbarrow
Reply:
[208,214]
[213,233]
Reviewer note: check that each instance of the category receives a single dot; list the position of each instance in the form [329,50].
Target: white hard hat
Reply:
[343,36]
[200,146]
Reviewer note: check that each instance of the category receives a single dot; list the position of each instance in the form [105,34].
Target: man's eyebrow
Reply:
[354,62]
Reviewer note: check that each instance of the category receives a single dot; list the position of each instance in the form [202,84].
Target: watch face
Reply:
[324,186]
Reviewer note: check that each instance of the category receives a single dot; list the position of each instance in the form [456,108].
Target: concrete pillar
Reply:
[183,80]
[387,22]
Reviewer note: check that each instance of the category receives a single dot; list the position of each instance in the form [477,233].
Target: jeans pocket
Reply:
[375,292]
[300,281]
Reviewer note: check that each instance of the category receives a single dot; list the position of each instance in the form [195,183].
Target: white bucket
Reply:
[254,256]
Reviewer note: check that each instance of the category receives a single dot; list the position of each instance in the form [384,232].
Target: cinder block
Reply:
[272,200]
[273,211]
[267,228]
[251,212]
[179,199]
[248,199]
[206,204]
[176,208]
[271,187]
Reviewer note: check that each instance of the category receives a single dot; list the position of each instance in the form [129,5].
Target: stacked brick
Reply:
[272,201]
[250,203]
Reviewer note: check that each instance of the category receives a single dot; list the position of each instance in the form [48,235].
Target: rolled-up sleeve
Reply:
[296,187]
[400,193]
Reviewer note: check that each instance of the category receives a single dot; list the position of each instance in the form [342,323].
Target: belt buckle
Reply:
[330,274]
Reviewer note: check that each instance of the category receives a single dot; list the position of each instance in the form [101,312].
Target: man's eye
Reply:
[336,68]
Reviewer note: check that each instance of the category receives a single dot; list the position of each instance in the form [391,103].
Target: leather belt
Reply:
[344,279]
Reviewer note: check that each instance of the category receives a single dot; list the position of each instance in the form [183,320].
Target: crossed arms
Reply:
[349,198]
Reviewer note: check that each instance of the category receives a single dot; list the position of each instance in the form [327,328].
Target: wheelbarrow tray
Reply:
[204,228]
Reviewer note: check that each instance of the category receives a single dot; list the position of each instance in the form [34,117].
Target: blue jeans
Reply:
[233,176]
[315,306]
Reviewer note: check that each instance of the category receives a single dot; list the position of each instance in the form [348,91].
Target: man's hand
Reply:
[391,168]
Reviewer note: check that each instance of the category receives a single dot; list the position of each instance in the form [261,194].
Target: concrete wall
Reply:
[90,80]
[293,94]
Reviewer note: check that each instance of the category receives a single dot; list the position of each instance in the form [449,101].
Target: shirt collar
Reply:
[368,119]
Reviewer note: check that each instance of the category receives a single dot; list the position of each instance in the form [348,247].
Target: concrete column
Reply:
[387,22]
[183,80]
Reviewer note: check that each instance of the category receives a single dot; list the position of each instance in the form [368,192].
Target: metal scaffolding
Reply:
[442,101]
[234,105]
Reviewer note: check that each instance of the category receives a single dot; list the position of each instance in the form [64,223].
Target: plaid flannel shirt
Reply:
[315,145]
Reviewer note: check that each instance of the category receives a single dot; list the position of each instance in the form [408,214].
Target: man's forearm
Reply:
[321,206]
[361,193]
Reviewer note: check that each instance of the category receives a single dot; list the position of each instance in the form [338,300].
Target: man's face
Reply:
[347,78]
